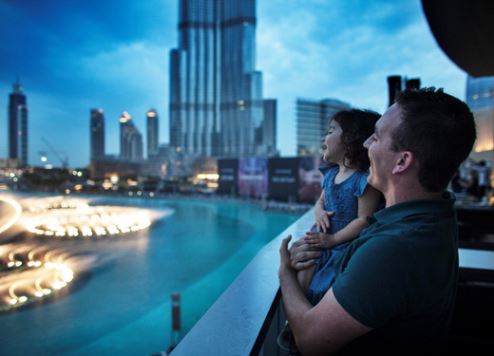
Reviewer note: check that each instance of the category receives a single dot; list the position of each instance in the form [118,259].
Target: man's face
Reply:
[382,158]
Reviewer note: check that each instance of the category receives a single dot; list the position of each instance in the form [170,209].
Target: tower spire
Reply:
[17,85]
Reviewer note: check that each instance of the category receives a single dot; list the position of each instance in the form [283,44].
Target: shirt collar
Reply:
[412,207]
[325,167]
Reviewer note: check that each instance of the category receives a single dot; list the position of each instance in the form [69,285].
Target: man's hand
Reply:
[322,218]
[319,240]
[285,265]
[303,255]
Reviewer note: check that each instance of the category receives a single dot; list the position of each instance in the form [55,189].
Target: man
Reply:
[396,283]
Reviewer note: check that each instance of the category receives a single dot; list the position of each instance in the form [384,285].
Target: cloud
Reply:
[345,50]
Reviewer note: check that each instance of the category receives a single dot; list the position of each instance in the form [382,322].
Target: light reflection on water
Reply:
[123,304]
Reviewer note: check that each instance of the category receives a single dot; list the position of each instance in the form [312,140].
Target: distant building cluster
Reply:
[130,160]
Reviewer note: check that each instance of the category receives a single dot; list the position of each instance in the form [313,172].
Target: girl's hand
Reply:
[303,255]
[322,218]
[319,240]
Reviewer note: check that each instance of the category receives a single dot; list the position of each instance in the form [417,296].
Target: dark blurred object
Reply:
[472,327]
[475,227]
[394,88]
[464,30]
[413,83]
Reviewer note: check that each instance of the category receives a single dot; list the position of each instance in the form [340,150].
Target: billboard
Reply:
[310,178]
[253,177]
[283,179]
[228,176]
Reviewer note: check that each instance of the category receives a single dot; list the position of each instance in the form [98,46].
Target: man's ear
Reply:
[404,162]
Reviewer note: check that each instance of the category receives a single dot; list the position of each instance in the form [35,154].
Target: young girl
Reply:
[346,200]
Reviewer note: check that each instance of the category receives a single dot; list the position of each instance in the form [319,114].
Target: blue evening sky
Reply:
[75,55]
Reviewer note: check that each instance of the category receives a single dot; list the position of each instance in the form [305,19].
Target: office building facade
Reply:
[152,126]
[215,91]
[18,132]
[131,145]
[97,134]
[312,123]
[268,133]
[480,99]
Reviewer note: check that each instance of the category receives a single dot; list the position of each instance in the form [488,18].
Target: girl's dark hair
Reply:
[357,126]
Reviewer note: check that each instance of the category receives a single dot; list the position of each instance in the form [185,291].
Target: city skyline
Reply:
[314,49]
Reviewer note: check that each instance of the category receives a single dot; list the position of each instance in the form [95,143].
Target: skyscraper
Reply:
[480,99]
[97,133]
[152,132]
[480,93]
[215,91]
[395,86]
[130,139]
[268,139]
[18,134]
[312,123]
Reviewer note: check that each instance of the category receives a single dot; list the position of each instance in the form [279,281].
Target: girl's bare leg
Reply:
[305,276]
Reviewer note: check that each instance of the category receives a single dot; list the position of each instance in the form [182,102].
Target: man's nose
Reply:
[366,142]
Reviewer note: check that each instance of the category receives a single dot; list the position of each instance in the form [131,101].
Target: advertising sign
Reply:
[228,176]
[310,178]
[253,177]
[283,179]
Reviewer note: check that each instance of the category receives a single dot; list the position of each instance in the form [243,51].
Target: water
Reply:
[124,304]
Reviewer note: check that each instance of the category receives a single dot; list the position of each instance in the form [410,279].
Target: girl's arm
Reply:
[322,216]
[367,205]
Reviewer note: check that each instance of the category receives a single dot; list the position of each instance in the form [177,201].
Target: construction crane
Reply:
[64,160]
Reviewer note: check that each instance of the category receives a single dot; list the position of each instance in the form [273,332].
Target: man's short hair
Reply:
[439,129]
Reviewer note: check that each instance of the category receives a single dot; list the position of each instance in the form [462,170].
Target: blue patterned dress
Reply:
[341,198]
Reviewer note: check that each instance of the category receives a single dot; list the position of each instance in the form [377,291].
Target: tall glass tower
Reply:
[97,135]
[215,92]
[152,132]
[18,125]
[130,139]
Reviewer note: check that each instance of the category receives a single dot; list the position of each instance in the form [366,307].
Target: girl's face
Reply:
[332,149]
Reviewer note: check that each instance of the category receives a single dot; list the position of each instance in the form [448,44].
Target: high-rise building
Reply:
[131,146]
[312,123]
[480,99]
[215,91]
[18,133]
[268,137]
[97,133]
[152,132]
[395,86]
[480,93]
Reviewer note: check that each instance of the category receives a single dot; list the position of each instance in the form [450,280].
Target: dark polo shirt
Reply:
[399,278]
